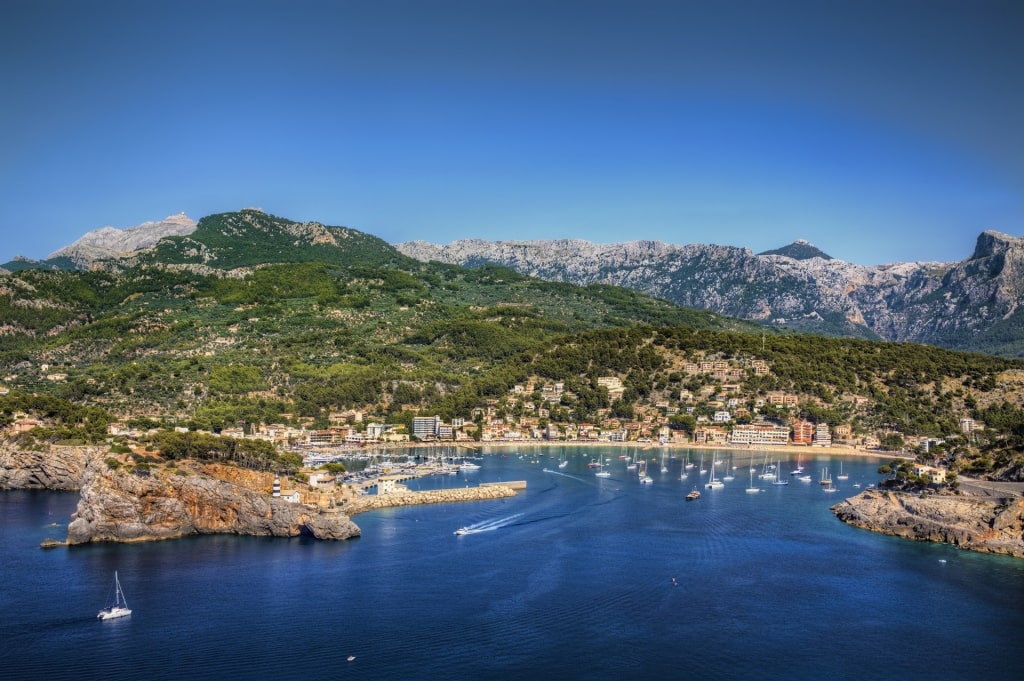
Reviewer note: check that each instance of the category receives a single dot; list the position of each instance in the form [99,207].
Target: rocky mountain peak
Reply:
[109,242]
[799,250]
[991,242]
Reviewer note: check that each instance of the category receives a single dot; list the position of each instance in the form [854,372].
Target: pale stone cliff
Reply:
[977,524]
[55,468]
[120,506]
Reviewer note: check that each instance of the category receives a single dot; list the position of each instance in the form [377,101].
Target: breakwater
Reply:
[371,502]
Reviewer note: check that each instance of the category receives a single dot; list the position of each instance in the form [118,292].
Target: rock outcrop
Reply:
[54,468]
[976,524]
[120,506]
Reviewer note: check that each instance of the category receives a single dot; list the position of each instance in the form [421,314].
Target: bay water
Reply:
[577,577]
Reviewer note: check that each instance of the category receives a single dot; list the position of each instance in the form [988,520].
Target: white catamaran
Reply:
[120,606]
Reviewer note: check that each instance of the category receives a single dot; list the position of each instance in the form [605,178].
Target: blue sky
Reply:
[881,131]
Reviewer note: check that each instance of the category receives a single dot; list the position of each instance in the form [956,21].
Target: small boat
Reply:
[120,606]
[693,496]
[351,657]
[646,480]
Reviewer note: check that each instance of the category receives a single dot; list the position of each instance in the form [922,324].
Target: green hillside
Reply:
[254,319]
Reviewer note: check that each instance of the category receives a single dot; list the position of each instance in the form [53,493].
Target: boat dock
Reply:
[512,484]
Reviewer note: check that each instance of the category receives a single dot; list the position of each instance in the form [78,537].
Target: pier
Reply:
[511,484]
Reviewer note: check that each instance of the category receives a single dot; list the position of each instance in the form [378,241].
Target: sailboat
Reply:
[767,473]
[664,468]
[799,469]
[779,481]
[120,606]
[712,483]
[826,479]
[729,477]
[841,476]
[752,489]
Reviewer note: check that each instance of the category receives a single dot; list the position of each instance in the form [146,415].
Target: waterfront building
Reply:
[424,427]
[759,434]
[822,437]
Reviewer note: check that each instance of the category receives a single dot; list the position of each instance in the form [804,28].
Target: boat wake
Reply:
[489,525]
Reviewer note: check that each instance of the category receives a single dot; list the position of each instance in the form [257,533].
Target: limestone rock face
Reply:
[977,524]
[945,304]
[124,507]
[109,242]
[55,468]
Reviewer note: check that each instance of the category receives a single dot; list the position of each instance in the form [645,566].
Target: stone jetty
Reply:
[438,496]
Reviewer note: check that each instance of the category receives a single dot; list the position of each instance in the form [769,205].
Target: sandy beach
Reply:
[739,454]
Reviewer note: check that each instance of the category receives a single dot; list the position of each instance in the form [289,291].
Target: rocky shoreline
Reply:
[168,503]
[983,524]
[120,506]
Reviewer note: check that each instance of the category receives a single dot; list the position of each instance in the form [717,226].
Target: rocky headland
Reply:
[120,506]
[979,524]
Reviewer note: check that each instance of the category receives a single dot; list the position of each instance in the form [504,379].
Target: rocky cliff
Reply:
[55,468]
[973,304]
[124,507]
[976,524]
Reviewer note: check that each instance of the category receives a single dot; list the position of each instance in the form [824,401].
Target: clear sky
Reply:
[879,130]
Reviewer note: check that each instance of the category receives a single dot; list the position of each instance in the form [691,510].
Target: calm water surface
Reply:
[571,579]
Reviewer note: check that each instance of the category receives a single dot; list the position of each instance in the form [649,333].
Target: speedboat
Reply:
[461,531]
[693,495]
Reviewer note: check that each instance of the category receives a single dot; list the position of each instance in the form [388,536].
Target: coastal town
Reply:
[710,404]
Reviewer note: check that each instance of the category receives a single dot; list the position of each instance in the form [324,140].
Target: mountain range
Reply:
[968,305]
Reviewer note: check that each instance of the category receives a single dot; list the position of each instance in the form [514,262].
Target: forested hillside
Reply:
[208,333]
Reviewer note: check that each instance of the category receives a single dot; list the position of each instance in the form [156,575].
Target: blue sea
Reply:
[577,577]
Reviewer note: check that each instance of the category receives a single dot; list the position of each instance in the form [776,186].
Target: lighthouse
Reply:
[277,487]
